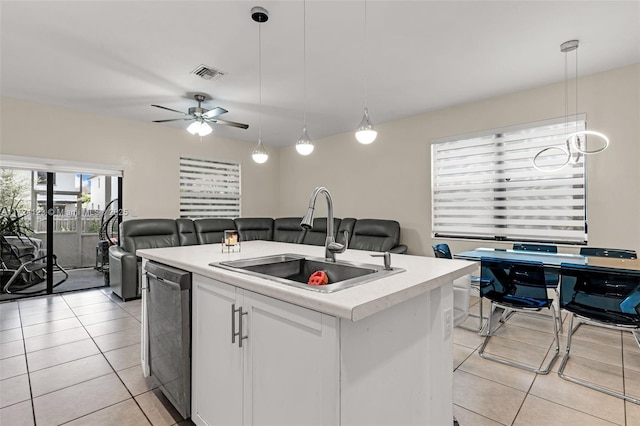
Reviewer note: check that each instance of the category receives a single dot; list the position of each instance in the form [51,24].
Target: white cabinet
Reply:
[285,372]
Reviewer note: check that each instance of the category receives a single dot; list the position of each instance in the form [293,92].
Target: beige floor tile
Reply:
[43,302]
[14,366]
[10,335]
[607,375]
[632,383]
[103,316]
[466,338]
[46,317]
[11,349]
[126,413]
[123,358]
[40,309]
[94,308]
[158,408]
[8,306]
[486,398]
[133,307]
[79,400]
[503,374]
[17,415]
[51,327]
[14,390]
[119,339]
[85,298]
[599,335]
[61,354]
[6,314]
[552,388]
[526,335]
[68,374]
[537,322]
[469,418]
[631,353]
[598,352]
[135,381]
[112,326]
[633,413]
[520,352]
[460,353]
[10,323]
[57,338]
[541,412]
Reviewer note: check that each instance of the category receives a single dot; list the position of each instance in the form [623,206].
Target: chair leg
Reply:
[585,383]
[480,320]
[496,314]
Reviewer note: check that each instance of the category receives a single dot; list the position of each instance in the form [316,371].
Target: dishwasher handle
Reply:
[175,286]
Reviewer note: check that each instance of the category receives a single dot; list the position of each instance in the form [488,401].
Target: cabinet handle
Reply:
[233,322]
[240,315]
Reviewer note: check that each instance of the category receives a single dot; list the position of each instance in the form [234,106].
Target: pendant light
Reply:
[366,133]
[199,127]
[304,146]
[260,15]
[575,143]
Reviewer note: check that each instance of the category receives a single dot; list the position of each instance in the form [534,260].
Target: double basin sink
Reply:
[295,270]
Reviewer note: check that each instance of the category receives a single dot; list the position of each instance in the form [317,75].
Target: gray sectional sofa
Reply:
[125,268]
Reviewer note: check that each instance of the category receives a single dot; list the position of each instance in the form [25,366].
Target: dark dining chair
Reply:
[551,276]
[602,297]
[607,252]
[514,287]
[443,251]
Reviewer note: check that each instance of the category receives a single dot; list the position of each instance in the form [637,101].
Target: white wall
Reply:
[388,179]
[391,178]
[149,154]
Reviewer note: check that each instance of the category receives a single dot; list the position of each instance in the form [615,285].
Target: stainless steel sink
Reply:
[295,270]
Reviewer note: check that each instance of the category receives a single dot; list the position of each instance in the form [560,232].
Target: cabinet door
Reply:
[217,363]
[291,364]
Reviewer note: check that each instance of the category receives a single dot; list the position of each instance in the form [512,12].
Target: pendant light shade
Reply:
[199,128]
[366,133]
[260,154]
[304,145]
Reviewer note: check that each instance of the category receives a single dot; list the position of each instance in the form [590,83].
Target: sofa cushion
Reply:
[375,235]
[346,224]
[186,232]
[317,235]
[254,228]
[288,230]
[211,231]
[148,233]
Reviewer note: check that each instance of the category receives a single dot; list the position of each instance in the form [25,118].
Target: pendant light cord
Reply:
[304,61]
[366,71]
[260,83]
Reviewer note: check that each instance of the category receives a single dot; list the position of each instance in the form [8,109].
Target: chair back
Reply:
[442,251]
[606,252]
[601,294]
[546,248]
[515,284]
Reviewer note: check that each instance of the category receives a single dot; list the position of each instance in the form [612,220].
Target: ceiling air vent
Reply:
[207,72]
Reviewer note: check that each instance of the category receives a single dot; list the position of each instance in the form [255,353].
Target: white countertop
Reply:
[422,274]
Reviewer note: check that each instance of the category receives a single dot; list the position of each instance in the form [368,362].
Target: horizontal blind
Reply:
[486,186]
[209,188]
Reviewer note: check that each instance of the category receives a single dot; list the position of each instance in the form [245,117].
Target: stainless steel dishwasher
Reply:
[169,330]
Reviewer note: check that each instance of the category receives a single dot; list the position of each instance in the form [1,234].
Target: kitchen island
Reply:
[268,353]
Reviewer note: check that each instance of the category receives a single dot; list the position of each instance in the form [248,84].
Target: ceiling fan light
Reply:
[259,154]
[365,134]
[304,146]
[194,128]
[205,129]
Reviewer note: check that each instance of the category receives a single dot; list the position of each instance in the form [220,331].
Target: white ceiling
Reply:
[118,57]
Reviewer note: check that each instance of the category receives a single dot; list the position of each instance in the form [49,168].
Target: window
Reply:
[209,188]
[484,186]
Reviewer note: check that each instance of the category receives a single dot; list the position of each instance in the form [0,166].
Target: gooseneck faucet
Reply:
[331,247]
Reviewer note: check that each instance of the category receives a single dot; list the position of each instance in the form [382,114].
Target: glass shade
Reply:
[365,134]
[259,154]
[199,127]
[304,145]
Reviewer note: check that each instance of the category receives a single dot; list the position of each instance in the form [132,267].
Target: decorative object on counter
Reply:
[231,241]
[576,141]
[365,134]
[304,146]
[260,15]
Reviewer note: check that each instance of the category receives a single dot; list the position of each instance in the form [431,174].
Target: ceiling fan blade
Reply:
[228,123]
[169,109]
[214,112]
[172,119]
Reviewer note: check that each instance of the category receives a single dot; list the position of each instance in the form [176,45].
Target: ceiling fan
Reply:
[201,117]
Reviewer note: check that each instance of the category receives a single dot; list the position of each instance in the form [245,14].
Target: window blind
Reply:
[209,188]
[485,186]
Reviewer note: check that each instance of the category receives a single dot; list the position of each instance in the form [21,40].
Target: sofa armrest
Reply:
[400,249]
[123,272]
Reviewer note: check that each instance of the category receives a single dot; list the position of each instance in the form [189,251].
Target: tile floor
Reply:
[75,359]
